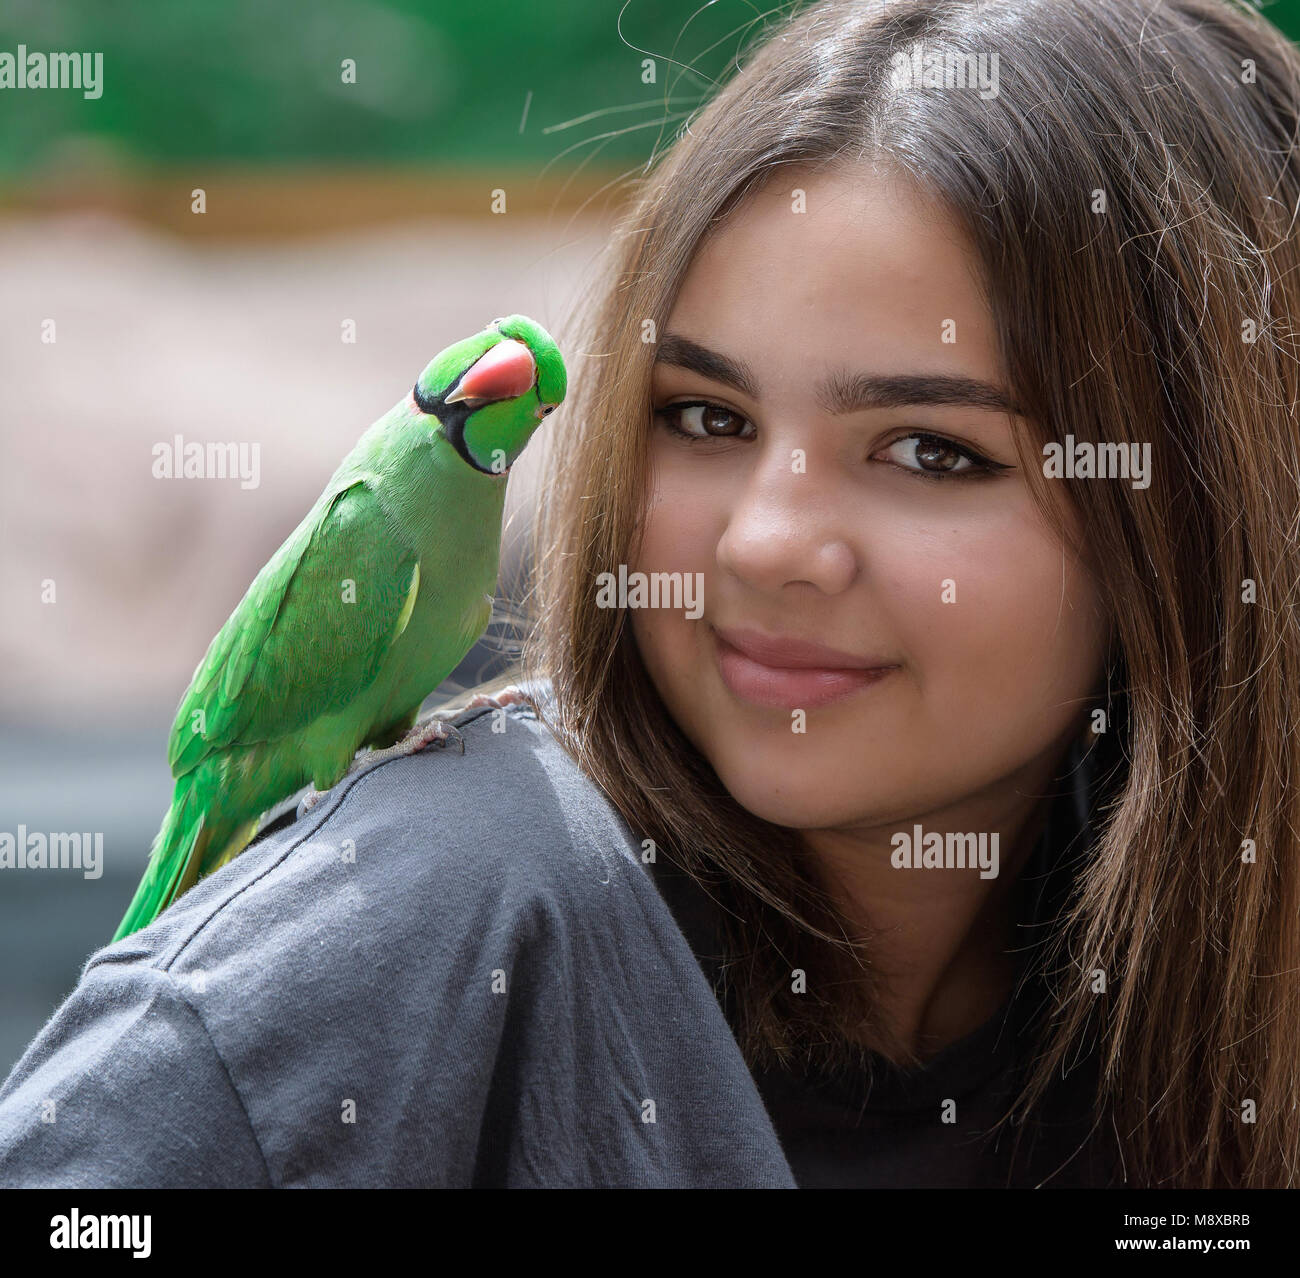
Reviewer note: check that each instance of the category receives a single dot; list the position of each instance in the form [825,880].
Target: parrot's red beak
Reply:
[505,371]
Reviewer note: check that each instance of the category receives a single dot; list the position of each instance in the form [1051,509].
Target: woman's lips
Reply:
[790,687]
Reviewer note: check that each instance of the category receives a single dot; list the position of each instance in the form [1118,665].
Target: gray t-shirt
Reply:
[453,971]
[456,970]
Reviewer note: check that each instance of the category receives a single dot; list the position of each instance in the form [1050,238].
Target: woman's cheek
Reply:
[680,535]
[673,542]
[1000,643]
[680,514]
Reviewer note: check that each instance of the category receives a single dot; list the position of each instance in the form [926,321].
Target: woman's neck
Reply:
[944,940]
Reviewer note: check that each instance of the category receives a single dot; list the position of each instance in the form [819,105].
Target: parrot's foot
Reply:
[421,735]
[312,798]
[508,696]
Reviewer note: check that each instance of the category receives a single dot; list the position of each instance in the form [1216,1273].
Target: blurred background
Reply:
[187,251]
[347,153]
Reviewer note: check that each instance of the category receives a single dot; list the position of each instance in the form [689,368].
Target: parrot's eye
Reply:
[551,409]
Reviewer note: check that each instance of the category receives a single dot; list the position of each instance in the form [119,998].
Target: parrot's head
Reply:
[491,391]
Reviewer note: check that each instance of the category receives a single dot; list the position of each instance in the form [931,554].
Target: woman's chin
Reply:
[782,802]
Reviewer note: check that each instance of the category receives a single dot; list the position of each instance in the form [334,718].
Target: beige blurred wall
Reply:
[225,341]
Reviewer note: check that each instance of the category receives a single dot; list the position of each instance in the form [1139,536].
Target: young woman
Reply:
[860,303]
[948,835]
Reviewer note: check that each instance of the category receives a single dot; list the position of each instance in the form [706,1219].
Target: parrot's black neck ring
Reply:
[453,418]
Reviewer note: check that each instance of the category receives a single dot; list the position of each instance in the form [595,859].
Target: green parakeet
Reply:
[370,603]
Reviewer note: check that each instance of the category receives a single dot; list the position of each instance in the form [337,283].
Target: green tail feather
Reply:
[170,861]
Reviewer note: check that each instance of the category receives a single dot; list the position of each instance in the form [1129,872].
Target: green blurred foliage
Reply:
[1284,14]
[436,81]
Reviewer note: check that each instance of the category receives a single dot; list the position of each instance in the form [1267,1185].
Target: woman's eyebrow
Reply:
[843,393]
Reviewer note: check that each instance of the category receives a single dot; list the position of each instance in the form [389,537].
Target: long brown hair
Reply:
[1131,193]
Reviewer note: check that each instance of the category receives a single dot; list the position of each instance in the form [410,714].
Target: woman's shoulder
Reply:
[413,841]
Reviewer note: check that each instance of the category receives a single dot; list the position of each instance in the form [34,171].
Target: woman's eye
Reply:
[925,456]
[704,421]
[934,457]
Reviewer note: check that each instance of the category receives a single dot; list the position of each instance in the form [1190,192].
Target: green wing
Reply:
[295,647]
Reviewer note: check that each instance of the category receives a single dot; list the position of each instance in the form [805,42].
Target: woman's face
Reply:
[830,494]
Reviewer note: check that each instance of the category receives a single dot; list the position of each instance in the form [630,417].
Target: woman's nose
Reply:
[785,527]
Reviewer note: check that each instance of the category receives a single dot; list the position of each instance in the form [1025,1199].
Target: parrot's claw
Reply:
[441,731]
[312,798]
